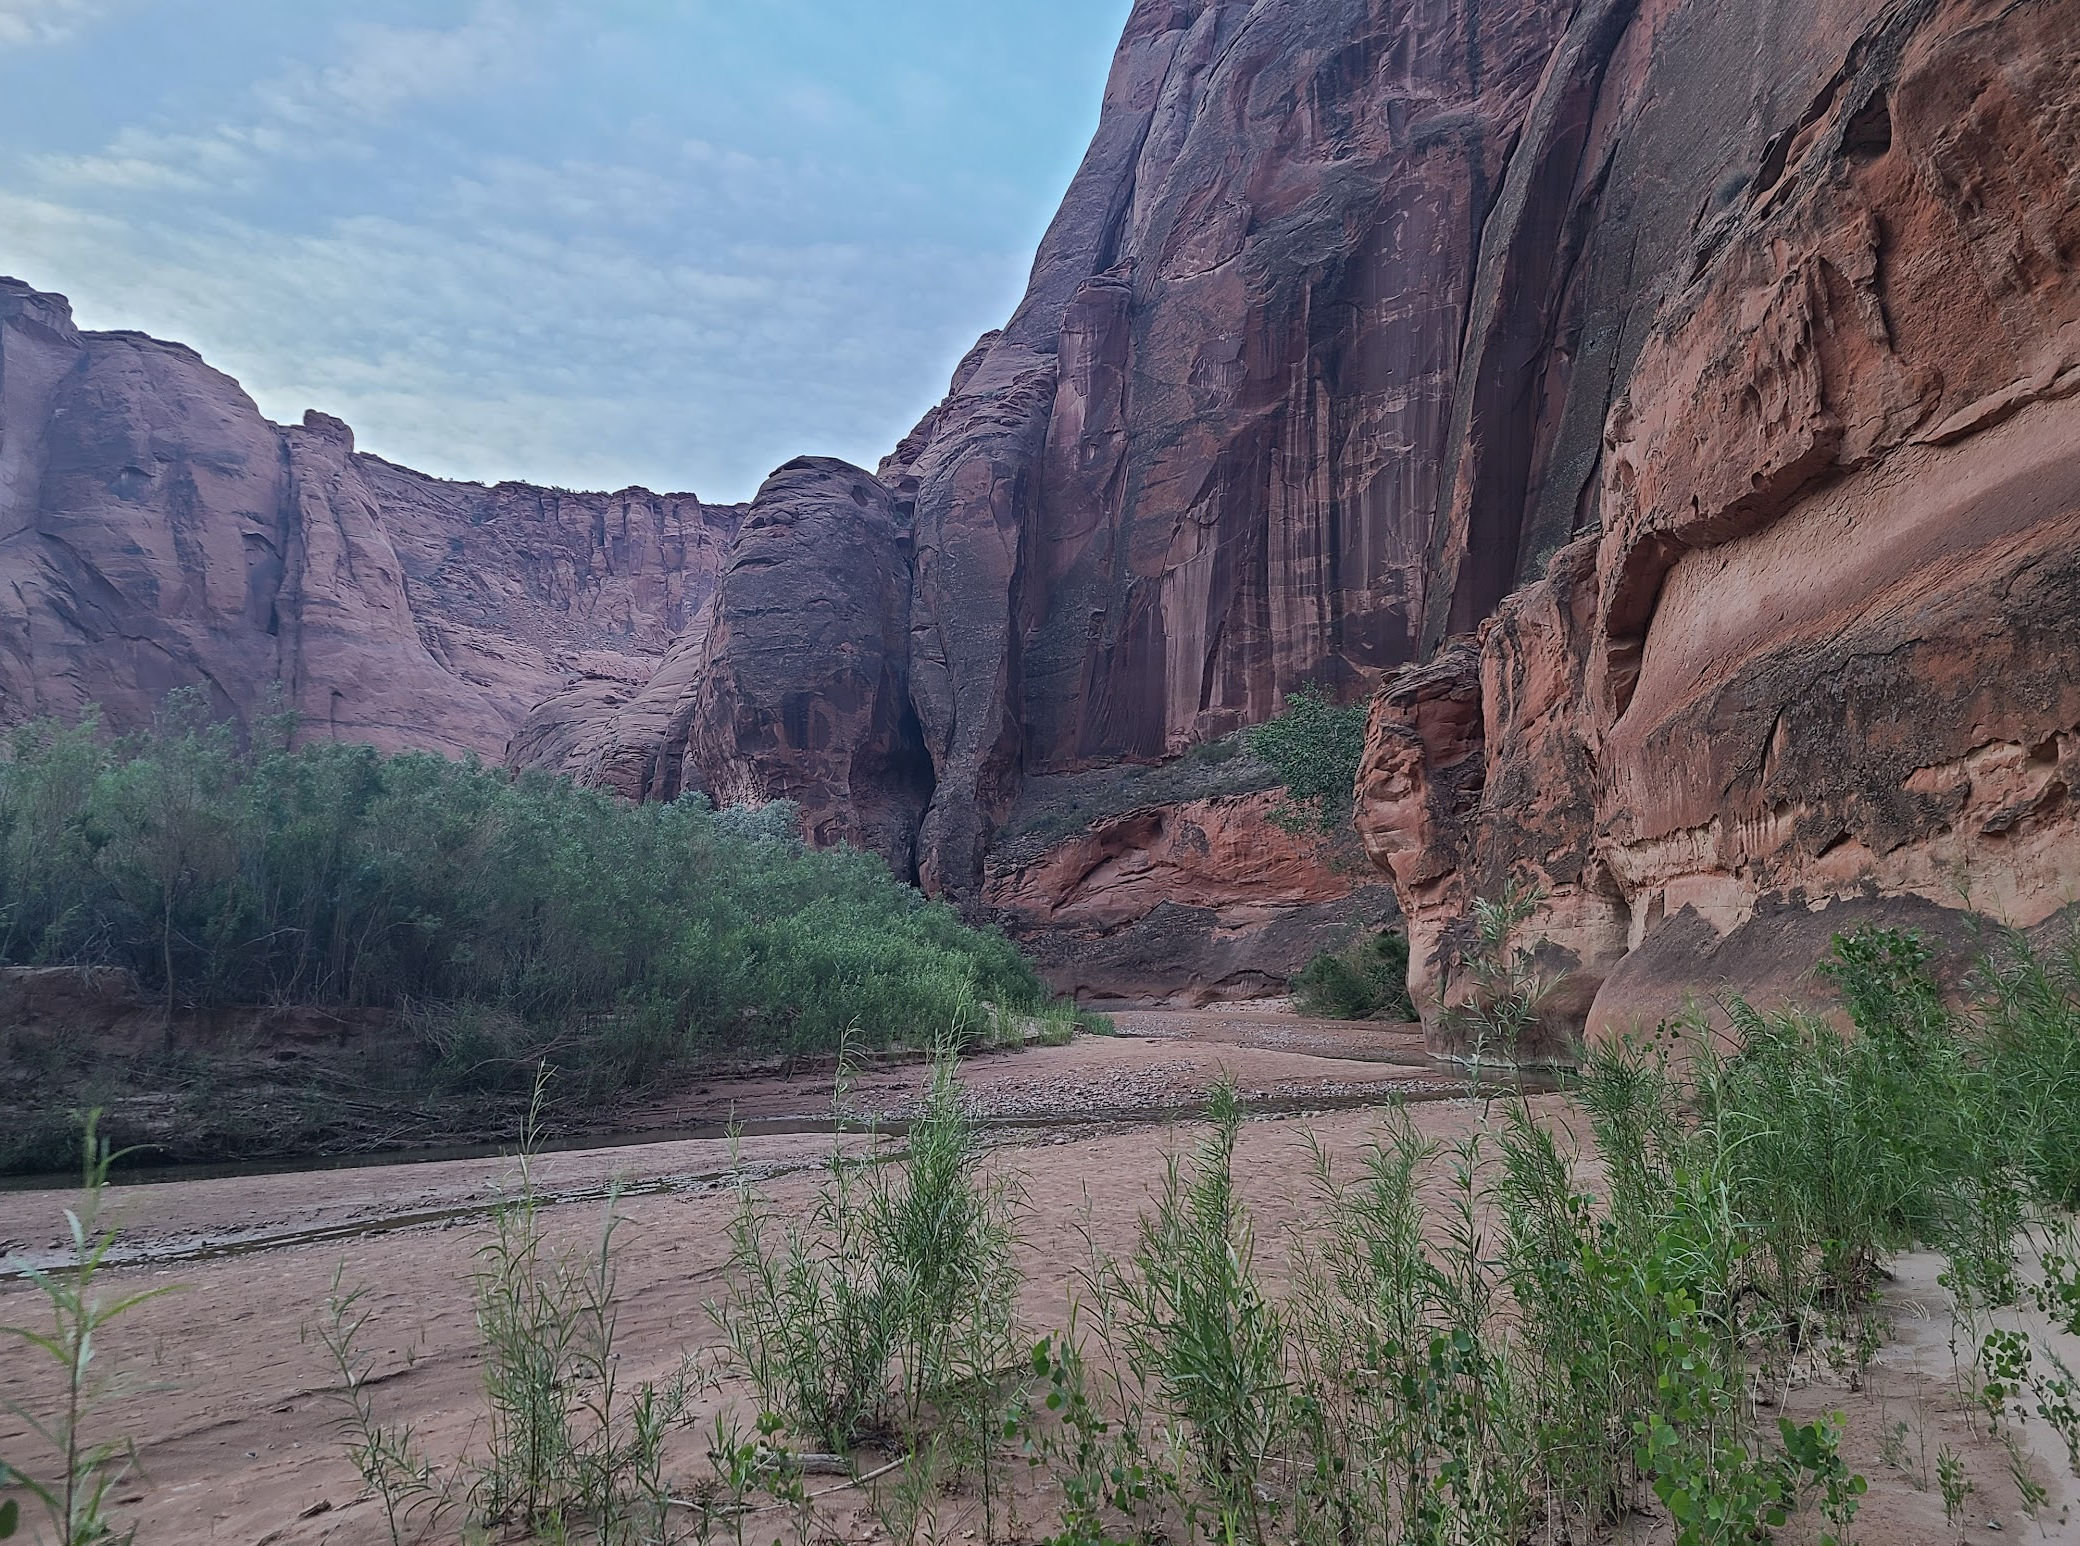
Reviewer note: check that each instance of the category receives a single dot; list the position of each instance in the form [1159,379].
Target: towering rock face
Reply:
[156,532]
[1198,467]
[793,683]
[1669,406]
[1818,656]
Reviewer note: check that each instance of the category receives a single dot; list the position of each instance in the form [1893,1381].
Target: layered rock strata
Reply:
[1199,900]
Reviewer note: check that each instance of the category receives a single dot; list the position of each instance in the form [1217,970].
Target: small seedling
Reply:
[1956,1486]
[387,1455]
[2033,1492]
[1892,1450]
[2004,1371]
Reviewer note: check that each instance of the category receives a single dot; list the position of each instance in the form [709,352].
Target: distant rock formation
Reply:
[157,532]
[793,684]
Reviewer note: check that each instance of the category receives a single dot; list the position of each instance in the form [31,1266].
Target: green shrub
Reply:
[1505,986]
[893,1301]
[1196,1317]
[1315,747]
[1365,980]
[515,918]
[84,1472]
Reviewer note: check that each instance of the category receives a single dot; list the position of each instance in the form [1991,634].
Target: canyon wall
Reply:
[1663,410]
[1815,659]
[156,532]
[1198,467]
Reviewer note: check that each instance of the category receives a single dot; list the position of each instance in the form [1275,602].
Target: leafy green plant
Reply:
[1504,986]
[1956,1486]
[1813,1462]
[2003,1367]
[737,1462]
[388,1456]
[506,920]
[1195,1316]
[893,1301]
[1365,980]
[566,1443]
[75,1495]
[1315,747]
[1093,1451]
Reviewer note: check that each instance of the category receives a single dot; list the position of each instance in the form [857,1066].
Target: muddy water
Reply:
[1017,1089]
[1449,1086]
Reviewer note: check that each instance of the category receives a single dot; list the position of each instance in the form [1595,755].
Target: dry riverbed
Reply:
[237,1427]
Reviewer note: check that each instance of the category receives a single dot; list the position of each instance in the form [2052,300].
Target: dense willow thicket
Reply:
[218,871]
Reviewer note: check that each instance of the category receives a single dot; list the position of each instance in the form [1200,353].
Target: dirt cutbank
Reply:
[257,1098]
[300,1087]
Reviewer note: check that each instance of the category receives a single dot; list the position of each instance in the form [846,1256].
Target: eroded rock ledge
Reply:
[1818,660]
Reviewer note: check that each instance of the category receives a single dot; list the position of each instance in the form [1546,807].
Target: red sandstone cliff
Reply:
[157,532]
[1197,468]
[792,682]
[1816,655]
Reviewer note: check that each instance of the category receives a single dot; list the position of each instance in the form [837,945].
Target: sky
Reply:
[587,243]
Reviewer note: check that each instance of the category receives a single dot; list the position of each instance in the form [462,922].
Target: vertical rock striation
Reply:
[1198,468]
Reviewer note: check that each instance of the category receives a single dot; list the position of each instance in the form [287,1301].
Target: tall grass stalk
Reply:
[893,1302]
[1195,1316]
[567,1442]
[74,1496]
[388,1456]
[1506,987]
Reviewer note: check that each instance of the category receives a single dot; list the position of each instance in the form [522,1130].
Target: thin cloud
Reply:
[547,283]
[305,111]
[26,23]
[383,69]
[550,352]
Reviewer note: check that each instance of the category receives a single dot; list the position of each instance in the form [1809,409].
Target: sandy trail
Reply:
[231,1406]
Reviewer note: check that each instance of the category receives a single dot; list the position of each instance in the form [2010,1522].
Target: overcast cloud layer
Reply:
[581,242]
